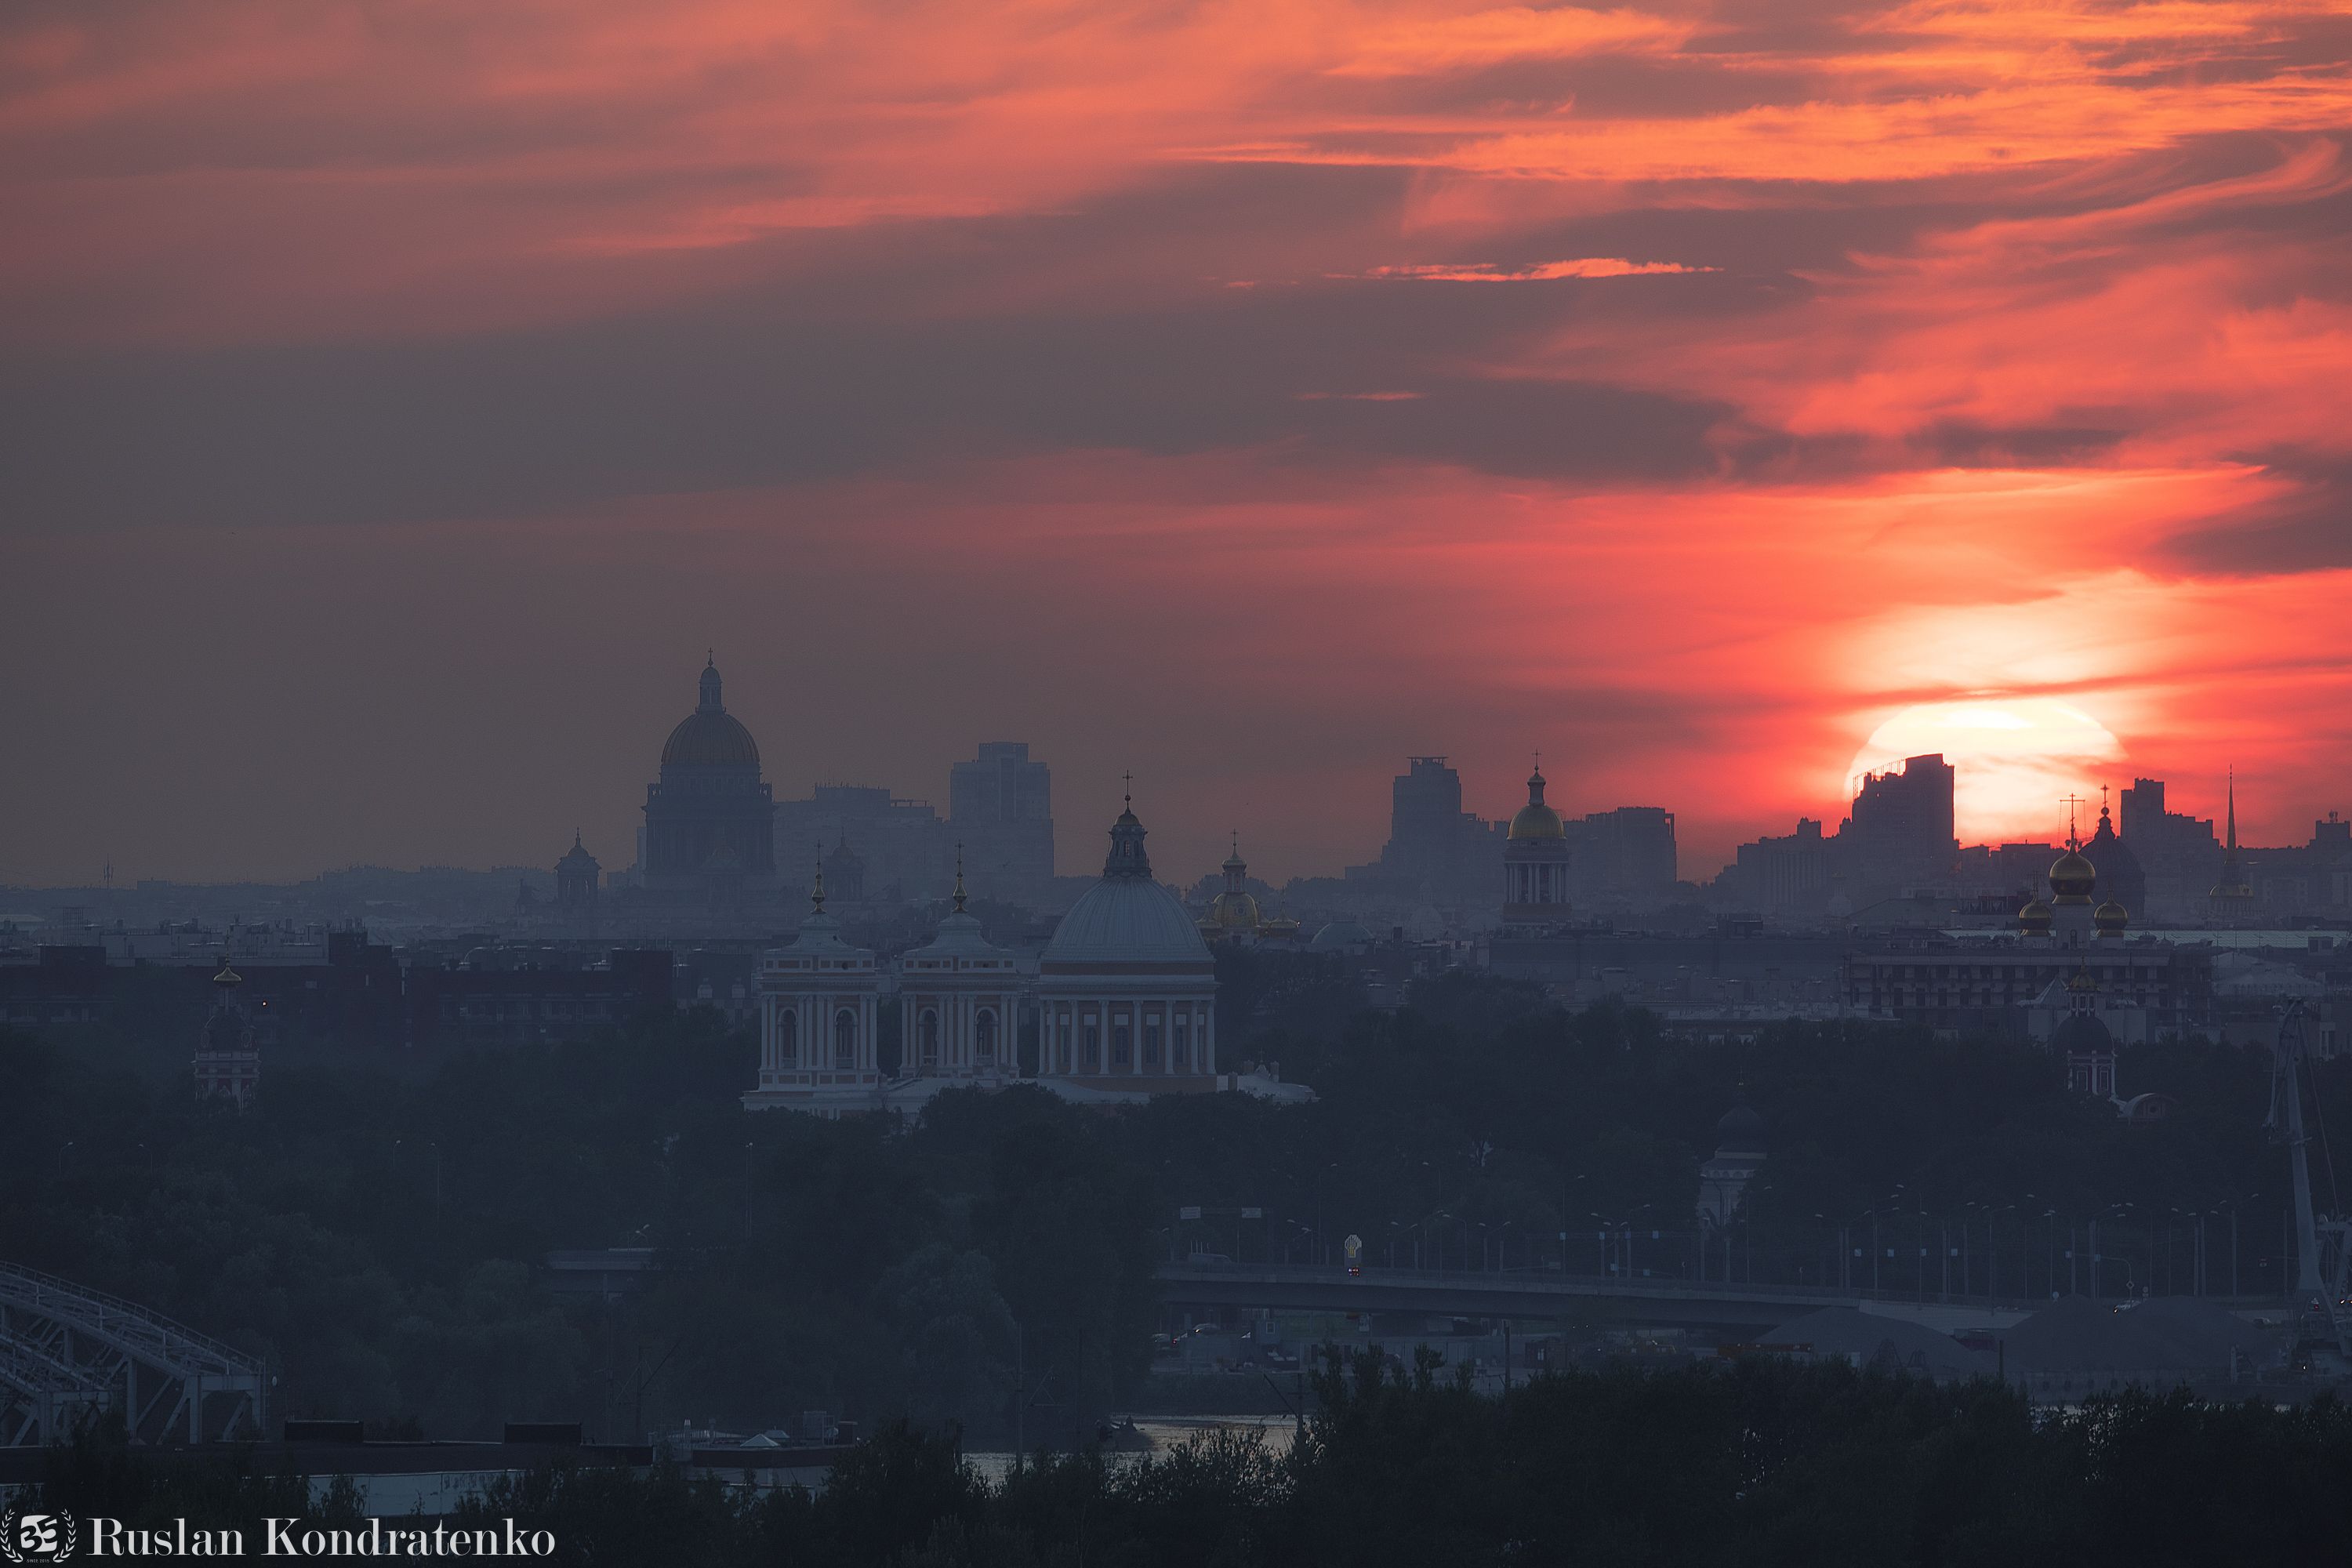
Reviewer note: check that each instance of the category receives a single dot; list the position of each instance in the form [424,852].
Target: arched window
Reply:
[928,1031]
[788,1045]
[983,1037]
[845,1039]
[1177,1042]
[1152,1044]
[1093,1057]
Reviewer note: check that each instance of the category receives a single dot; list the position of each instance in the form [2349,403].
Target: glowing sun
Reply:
[2012,759]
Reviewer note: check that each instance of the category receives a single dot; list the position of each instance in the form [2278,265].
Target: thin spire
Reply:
[2074,835]
[816,891]
[958,887]
[1128,778]
[2234,808]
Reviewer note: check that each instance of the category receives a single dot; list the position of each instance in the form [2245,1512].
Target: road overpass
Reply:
[1597,1300]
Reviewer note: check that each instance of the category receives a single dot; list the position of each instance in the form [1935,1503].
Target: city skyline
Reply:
[615,839]
[1687,390]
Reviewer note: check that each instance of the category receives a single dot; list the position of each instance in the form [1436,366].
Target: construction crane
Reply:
[2323,1315]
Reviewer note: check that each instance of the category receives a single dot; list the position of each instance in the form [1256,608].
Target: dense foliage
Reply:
[1762,1463]
[379,1231]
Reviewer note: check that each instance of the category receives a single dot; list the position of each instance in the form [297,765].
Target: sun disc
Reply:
[2012,760]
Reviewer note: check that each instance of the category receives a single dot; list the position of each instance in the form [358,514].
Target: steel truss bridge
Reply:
[70,1356]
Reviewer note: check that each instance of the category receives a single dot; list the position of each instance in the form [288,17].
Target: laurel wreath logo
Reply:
[68,1536]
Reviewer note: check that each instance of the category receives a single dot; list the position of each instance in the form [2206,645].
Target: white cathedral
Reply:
[1124,1002]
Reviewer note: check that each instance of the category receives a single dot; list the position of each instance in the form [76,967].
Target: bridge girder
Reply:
[67,1352]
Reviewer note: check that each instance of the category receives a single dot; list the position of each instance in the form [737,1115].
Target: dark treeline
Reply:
[379,1234]
[1764,1463]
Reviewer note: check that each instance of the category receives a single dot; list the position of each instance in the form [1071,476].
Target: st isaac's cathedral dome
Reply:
[710,737]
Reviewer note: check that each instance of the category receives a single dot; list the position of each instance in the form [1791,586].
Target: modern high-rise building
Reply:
[1899,835]
[1434,846]
[1623,857]
[1001,809]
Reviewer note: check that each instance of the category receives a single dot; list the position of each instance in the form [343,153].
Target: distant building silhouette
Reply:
[1434,848]
[577,881]
[710,819]
[1623,857]
[1899,834]
[1001,809]
[884,848]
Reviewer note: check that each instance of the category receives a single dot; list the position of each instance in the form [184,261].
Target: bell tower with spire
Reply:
[2232,900]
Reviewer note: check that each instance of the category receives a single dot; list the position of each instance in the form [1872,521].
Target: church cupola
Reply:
[710,690]
[1126,856]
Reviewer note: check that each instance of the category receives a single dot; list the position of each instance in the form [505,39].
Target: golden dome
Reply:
[2071,877]
[1537,820]
[2033,919]
[2111,918]
[1234,911]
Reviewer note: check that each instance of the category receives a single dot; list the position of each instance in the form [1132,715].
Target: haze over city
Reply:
[1022,784]
[400,403]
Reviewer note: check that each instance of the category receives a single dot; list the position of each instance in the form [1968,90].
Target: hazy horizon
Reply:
[399,404]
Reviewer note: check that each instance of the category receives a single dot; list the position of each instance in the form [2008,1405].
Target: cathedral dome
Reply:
[1340,936]
[1537,820]
[710,737]
[2111,918]
[2033,919]
[1125,920]
[1128,917]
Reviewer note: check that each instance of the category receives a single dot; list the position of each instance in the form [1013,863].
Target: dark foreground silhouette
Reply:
[1764,1462]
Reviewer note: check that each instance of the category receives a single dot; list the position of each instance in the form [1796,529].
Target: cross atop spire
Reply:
[1128,778]
[2073,837]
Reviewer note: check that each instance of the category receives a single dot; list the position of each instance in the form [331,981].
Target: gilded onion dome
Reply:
[2033,919]
[2071,877]
[2111,918]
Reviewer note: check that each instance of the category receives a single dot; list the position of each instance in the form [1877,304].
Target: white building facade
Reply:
[820,1022]
[959,1004]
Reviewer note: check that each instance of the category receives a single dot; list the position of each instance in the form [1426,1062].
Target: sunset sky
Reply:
[397,399]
